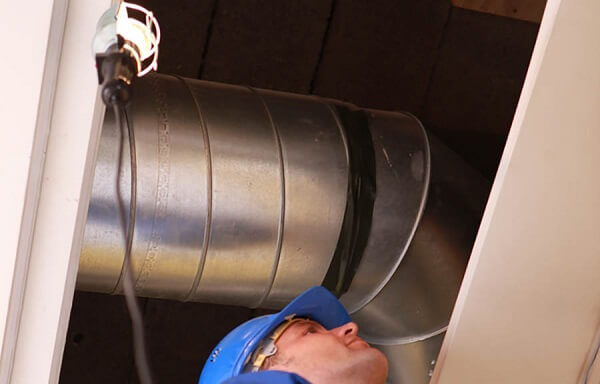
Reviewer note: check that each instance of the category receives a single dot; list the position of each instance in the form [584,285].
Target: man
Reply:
[311,340]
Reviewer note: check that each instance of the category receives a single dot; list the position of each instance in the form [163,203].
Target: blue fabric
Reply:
[231,354]
[267,377]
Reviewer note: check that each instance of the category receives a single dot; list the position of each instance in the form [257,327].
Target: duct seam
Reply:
[162,191]
[209,177]
[340,128]
[282,198]
[360,198]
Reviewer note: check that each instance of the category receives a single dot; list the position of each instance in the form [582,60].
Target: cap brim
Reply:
[317,304]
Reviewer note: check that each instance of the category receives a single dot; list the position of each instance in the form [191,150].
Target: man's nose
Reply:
[348,329]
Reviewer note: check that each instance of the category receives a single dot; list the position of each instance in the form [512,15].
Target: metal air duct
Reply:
[248,197]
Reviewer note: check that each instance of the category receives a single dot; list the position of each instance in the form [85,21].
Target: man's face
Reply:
[328,356]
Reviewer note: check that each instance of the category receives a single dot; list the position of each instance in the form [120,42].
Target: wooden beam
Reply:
[528,10]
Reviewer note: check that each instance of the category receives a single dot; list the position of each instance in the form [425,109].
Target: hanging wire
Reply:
[139,344]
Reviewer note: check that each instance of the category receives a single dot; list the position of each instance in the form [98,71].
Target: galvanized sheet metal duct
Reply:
[419,294]
[408,317]
[242,197]
[226,204]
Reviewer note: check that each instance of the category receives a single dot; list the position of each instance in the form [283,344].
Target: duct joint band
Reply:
[356,226]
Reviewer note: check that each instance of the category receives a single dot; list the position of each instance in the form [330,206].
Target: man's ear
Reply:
[271,361]
[278,361]
[268,363]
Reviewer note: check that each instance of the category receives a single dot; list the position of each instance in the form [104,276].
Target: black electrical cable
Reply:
[137,324]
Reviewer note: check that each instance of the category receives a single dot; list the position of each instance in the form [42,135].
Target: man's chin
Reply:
[372,360]
[374,355]
[384,361]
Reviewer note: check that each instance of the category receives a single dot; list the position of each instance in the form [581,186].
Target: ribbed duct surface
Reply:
[248,197]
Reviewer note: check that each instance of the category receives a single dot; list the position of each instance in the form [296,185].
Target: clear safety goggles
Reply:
[267,347]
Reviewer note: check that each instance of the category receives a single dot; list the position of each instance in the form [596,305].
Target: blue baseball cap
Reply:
[230,357]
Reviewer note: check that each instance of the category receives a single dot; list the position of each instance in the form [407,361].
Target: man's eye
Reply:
[310,330]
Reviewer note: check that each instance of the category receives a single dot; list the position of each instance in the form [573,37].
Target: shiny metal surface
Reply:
[246,195]
[242,195]
[403,167]
[102,250]
[419,298]
[164,245]
[316,166]
[171,213]
[412,362]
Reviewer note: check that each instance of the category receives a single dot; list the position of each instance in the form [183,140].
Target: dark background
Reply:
[459,71]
